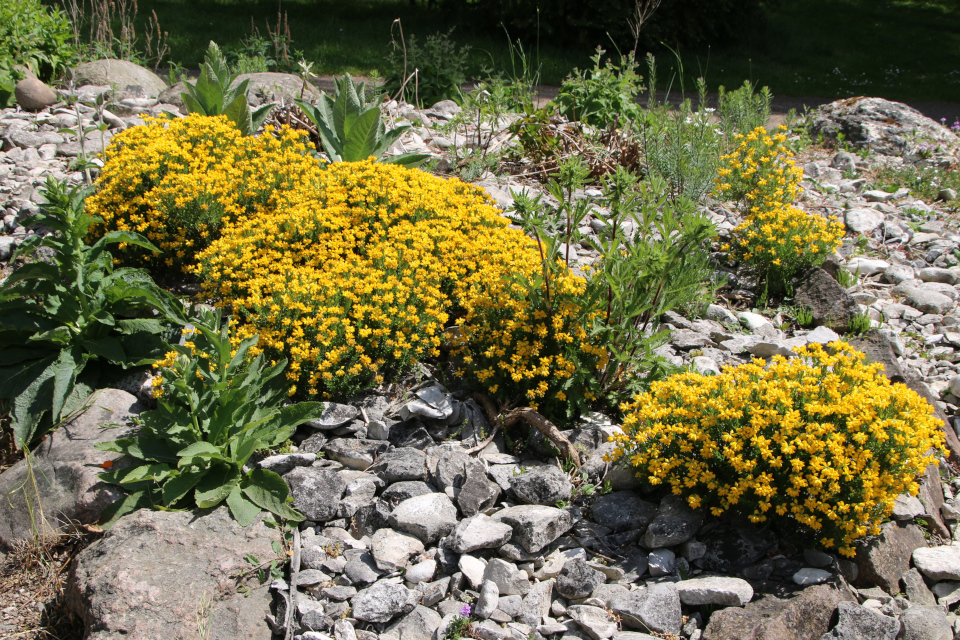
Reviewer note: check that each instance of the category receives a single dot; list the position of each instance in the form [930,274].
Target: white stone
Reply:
[808,576]
[752,321]
[863,220]
[866,266]
[421,572]
[716,590]
[473,569]
[661,562]
[596,622]
[938,563]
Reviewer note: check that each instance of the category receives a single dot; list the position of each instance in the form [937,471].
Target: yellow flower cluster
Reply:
[356,273]
[776,239]
[178,181]
[527,342]
[824,440]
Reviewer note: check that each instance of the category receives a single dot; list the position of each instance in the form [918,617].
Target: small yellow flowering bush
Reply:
[524,338]
[178,181]
[776,239]
[357,274]
[824,440]
[760,172]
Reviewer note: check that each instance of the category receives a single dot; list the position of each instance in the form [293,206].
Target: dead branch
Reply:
[533,418]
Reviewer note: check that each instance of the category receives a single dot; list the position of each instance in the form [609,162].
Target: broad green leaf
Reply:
[60,335]
[108,348]
[268,490]
[123,506]
[244,511]
[199,449]
[238,112]
[132,476]
[142,447]
[362,136]
[180,485]
[408,160]
[65,371]
[219,481]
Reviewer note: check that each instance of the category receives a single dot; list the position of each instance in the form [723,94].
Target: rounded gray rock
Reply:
[578,579]
[541,485]
[428,517]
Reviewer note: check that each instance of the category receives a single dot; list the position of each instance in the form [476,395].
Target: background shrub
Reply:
[357,274]
[177,182]
[824,440]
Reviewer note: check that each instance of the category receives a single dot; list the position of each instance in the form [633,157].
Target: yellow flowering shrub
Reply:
[776,239]
[358,273]
[760,172]
[178,181]
[824,440]
[528,343]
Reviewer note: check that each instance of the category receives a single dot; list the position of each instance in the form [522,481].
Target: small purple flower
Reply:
[465,611]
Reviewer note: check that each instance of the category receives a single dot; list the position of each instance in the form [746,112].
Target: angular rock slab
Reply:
[883,559]
[857,622]
[716,590]
[154,573]
[655,609]
[675,523]
[65,467]
[535,526]
[938,563]
[806,615]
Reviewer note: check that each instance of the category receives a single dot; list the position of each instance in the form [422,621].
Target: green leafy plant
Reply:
[427,74]
[35,37]
[604,96]
[743,110]
[214,410]
[68,317]
[217,93]
[803,316]
[860,324]
[352,129]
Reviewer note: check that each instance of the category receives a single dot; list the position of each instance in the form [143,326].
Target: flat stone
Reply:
[535,526]
[858,622]
[66,466]
[334,415]
[916,589]
[428,517]
[655,608]
[715,590]
[281,464]
[401,464]
[938,563]
[419,624]
[194,557]
[392,550]
[597,623]
[808,576]
[383,601]
[316,492]
[623,511]
[355,453]
[508,578]
[578,580]
[479,532]
[863,220]
[545,485]
[804,615]
[947,593]
[925,623]
[675,523]
[866,266]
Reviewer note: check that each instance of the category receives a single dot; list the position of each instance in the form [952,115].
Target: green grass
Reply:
[897,49]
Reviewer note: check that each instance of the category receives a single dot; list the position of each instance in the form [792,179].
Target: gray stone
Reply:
[65,466]
[401,464]
[804,615]
[938,563]
[545,485]
[925,623]
[123,75]
[419,624]
[34,95]
[715,590]
[281,464]
[675,523]
[193,557]
[863,221]
[907,507]
[488,600]
[392,550]
[472,569]
[421,572]
[457,470]
[383,601]
[655,608]
[355,453]
[578,580]
[535,526]
[928,301]
[623,511]
[916,589]
[597,623]
[362,569]
[808,576]
[400,491]
[360,492]
[316,492]
[428,517]
[536,604]
[270,86]
[434,592]
[947,593]
[881,560]
[479,532]
[661,562]
[509,580]
[939,274]
[828,302]
[334,415]
[860,623]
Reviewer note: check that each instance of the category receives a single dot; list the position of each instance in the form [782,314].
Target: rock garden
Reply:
[284,363]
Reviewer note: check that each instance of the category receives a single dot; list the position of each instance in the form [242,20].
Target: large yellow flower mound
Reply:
[179,181]
[823,440]
[357,273]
